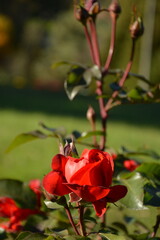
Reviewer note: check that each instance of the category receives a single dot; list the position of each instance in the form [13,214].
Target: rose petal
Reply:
[116,192]
[58,162]
[53,184]
[100,207]
[89,193]
[93,174]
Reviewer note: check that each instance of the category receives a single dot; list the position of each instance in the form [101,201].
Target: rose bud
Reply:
[81,14]
[115,8]
[136,28]
[94,9]
[91,115]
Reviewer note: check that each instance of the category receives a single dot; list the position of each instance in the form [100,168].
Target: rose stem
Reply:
[81,222]
[156,226]
[89,43]
[71,219]
[112,43]
[122,80]
[94,41]
[103,113]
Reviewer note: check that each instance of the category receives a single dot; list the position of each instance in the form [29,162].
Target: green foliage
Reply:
[19,191]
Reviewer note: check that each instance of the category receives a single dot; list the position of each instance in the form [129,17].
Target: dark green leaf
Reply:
[115,86]
[19,191]
[135,184]
[152,195]
[26,137]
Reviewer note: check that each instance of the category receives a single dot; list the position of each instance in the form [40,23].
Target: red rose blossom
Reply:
[89,177]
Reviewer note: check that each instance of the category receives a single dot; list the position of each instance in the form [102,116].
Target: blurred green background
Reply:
[36,34]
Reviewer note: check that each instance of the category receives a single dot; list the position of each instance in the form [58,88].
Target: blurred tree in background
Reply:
[35,34]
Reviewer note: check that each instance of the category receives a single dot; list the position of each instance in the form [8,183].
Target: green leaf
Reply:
[19,191]
[58,64]
[110,236]
[143,236]
[90,134]
[26,137]
[151,171]
[52,205]
[32,236]
[135,184]
[136,94]
[80,78]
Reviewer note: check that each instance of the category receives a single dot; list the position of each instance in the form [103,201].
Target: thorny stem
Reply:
[122,80]
[94,41]
[71,219]
[81,222]
[112,43]
[89,43]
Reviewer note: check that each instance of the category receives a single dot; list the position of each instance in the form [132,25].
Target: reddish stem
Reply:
[94,42]
[103,113]
[71,219]
[89,44]
[81,222]
[123,78]
[112,43]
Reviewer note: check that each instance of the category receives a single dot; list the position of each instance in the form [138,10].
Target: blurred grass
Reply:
[21,111]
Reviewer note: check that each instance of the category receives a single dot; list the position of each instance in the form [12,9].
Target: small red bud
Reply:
[136,28]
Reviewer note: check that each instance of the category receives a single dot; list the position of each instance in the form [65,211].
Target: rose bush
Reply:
[88,178]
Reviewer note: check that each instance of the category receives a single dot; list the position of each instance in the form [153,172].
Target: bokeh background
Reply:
[36,34]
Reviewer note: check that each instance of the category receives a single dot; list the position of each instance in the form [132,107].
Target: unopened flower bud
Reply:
[95,8]
[115,7]
[70,149]
[91,115]
[81,14]
[136,28]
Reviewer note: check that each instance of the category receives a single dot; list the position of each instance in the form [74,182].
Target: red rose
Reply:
[130,165]
[89,177]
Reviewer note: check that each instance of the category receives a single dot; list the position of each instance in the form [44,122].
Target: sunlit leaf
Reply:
[80,78]
[33,236]
[150,171]
[135,184]
[52,205]
[24,138]
[143,236]
[90,134]
[110,236]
